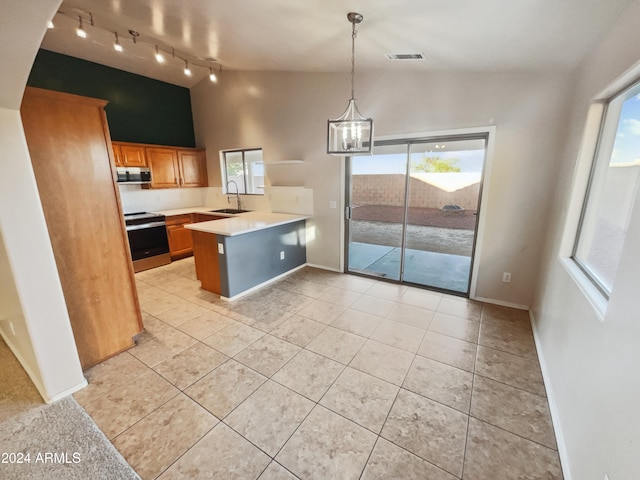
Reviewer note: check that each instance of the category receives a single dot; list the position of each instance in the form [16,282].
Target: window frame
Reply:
[245,169]
[597,162]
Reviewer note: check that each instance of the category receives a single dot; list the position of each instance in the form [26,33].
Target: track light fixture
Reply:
[116,45]
[159,56]
[80,31]
[86,18]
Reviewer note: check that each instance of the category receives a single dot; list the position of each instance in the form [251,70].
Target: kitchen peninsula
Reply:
[236,254]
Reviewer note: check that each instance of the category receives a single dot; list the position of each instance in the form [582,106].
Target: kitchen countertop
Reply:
[243,222]
[183,211]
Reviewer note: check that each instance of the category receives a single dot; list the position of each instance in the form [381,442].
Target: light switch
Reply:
[333,204]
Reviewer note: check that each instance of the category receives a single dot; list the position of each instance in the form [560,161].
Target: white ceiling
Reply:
[314,35]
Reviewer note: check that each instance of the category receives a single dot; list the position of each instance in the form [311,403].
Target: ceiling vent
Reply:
[404,56]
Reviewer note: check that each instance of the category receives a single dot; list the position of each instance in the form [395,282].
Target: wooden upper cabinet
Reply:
[163,163]
[117,155]
[193,168]
[129,155]
[133,155]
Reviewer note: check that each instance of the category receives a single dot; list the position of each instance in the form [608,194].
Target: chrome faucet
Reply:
[237,193]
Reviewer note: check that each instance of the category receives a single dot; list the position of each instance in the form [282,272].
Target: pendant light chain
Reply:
[353,58]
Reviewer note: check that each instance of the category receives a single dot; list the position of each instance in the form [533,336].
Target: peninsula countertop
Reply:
[245,223]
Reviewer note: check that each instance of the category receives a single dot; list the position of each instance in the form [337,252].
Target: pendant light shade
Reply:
[351,133]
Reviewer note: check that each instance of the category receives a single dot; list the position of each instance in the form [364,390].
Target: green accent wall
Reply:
[140,109]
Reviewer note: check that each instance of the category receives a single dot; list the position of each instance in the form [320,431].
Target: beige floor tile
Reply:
[108,375]
[275,471]
[128,403]
[389,291]
[428,429]
[382,361]
[303,287]
[298,330]
[162,304]
[321,311]
[514,316]
[158,440]
[514,410]
[205,325]
[352,283]
[289,301]
[508,338]
[361,398]
[339,296]
[337,344]
[190,365]
[410,315]
[223,454]
[388,461]
[181,314]
[327,446]
[421,298]
[440,382]
[233,338]
[373,305]
[456,327]
[269,416]
[268,318]
[161,342]
[267,354]
[460,307]
[449,350]
[511,369]
[355,321]
[399,335]
[225,388]
[499,455]
[309,374]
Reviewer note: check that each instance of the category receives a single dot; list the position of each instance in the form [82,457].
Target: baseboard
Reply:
[35,378]
[323,267]
[501,303]
[555,415]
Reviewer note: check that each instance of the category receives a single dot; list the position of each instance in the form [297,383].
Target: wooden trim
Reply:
[153,145]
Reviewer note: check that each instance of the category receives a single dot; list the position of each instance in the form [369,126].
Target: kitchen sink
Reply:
[229,210]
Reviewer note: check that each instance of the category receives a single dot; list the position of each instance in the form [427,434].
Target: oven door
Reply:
[149,245]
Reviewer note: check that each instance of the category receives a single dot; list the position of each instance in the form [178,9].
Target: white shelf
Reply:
[283,162]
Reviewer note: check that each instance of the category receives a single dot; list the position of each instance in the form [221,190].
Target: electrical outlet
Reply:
[282,255]
[221,249]
[506,277]
[333,204]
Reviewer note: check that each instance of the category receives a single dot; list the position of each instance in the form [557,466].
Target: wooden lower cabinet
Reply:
[68,133]
[180,243]
[180,238]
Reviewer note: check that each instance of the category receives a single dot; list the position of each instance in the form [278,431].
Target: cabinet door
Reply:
[117,155]
[193,168]
[133,155]
[66,133]
[180,243]
[163,163]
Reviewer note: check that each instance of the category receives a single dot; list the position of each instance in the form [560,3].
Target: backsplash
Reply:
[135,199]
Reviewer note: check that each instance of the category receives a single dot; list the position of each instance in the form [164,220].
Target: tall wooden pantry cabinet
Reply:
[70,148]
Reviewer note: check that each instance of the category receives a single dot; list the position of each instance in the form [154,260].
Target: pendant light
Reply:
[350,133]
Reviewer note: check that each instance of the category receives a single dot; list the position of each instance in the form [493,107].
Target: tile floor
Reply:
[324,376]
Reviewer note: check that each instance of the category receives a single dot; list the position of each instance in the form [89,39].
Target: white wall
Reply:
[591,361]
[33,315]
[285,113]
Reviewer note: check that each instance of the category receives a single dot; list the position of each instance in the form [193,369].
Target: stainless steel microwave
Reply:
[133,175]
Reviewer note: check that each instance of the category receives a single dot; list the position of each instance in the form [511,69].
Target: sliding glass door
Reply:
[412,211]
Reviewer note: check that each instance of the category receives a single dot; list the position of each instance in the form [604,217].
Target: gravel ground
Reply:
[419,237]
[429,229]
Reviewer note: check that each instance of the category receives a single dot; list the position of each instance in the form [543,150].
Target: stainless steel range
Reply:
[148,240]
